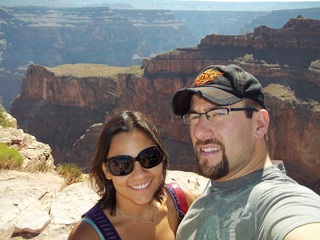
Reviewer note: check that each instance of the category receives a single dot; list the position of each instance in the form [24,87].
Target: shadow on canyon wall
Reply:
[66,106]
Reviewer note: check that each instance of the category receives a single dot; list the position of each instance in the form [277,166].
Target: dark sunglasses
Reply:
[123,165]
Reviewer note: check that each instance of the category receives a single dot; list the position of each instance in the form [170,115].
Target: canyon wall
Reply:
[53,36]
[67,110]
[117,35]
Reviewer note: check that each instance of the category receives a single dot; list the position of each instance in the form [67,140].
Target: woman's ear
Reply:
[262,123]
[106,172]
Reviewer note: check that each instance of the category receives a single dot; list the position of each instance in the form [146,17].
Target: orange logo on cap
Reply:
[207,76]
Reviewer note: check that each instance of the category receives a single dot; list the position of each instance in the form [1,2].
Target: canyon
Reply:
[66,106]
[51,35]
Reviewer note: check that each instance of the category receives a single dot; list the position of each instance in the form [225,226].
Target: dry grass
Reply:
[281,92]
[80,70]
[287,95]
[70,172]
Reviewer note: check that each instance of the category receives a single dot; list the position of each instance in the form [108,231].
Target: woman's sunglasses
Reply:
[123,165]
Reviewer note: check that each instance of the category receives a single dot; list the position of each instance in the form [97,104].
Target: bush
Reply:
[4,122]
[9,158]
[70,172]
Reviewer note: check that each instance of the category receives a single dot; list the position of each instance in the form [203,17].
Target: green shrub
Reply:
[70,172]
[9,158]
[4,122]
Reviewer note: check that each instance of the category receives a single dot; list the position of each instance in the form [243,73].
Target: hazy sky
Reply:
[254,0]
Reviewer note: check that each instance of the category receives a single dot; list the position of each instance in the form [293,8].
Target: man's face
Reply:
[225,145]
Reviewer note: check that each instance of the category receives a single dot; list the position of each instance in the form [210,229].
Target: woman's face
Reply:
[139,186]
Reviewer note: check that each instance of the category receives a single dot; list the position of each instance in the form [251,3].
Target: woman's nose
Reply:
[138,170]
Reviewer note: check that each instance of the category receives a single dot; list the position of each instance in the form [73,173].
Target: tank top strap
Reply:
[101,221]
[178,198]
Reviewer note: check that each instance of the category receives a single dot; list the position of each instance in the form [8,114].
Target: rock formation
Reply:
[37,155]
[58,107]
[52,36]
[49,210]
[55,36]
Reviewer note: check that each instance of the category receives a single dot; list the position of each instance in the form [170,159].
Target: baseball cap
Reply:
[221,85]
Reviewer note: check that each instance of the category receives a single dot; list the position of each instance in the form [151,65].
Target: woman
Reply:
[129,170]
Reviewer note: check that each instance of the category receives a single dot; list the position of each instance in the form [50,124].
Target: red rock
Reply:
[58,109]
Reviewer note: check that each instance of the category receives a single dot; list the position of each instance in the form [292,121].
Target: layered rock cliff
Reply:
[54,36]
[36,155]
[58,106]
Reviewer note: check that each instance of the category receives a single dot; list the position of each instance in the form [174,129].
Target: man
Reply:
[249,195]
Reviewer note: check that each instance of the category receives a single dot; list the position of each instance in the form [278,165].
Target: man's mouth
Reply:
[208,150]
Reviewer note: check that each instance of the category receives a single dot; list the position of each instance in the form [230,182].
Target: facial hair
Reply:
[213,172]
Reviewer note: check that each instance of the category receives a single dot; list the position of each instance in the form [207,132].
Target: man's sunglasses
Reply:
[123,164]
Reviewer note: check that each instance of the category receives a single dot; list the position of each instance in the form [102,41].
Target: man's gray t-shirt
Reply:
[265,204]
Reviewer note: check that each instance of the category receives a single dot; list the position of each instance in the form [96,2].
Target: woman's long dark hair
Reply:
[123,122]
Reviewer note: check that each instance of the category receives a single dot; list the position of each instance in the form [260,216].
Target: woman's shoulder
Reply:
[83,230]
[95,224]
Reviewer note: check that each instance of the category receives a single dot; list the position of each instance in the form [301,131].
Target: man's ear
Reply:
[106,172]
[262,126]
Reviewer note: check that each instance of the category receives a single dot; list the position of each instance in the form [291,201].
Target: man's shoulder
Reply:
[283,187]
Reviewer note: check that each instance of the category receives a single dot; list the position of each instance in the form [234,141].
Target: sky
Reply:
[254,0]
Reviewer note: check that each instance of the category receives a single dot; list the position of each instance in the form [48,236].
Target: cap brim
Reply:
[181,99]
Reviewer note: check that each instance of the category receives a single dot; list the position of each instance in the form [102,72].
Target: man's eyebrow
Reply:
[191,111]
[206,110]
